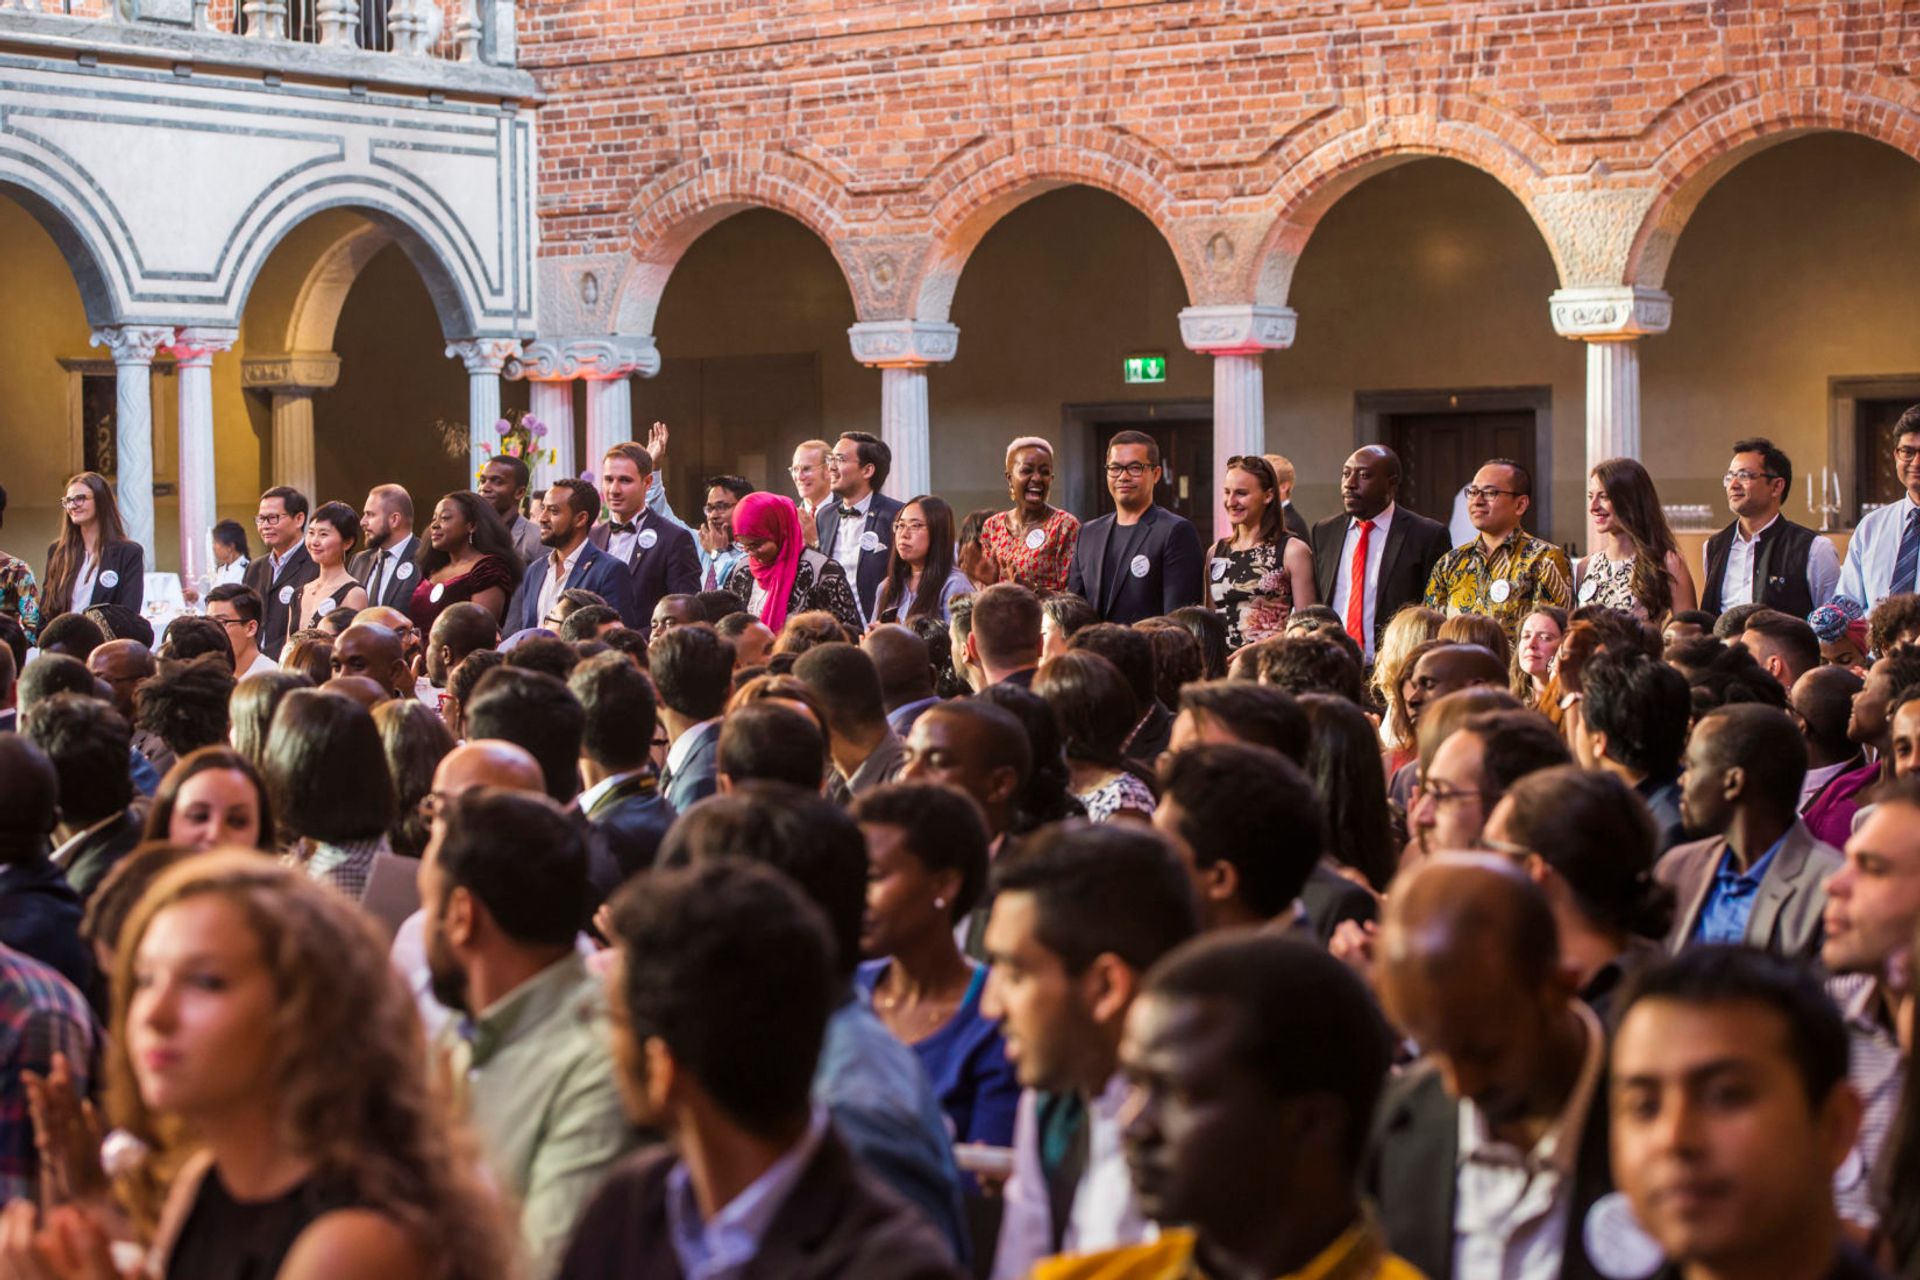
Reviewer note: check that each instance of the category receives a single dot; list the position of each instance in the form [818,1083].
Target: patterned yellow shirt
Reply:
[1359,1254]
[1523,573]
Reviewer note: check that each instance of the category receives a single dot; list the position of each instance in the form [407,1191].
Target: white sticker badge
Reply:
[439,589]
[286,595]
[646,538]
[1589,589]
[869,541]
[1140,566]
[328,605]
[1500,590]
[1220,568]
[405,570]
[1036,539]
[1617,1244]
[109,579]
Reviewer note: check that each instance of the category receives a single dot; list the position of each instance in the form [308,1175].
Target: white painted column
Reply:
[902,350]
[290,380]
[605,364]
[193,352]
[1237,336]
[609,414]
[484,359]
[1611,321]
[133,348]
[552,403]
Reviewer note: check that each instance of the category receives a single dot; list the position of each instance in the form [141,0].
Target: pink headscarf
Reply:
[773,518]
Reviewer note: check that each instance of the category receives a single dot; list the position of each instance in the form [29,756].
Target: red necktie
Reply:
[1357,588]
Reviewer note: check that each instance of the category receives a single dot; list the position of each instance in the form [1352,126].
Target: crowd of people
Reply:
[843,886]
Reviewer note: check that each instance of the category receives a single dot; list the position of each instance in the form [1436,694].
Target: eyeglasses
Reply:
[1478,491]
[909,526]
[1134,469]
[715,508]
[1446,793]
[268,520]
[1747,477]
[810,468]
[231,622]
[1906,453]
[78,500]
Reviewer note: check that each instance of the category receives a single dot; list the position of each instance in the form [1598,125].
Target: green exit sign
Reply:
[1147,368]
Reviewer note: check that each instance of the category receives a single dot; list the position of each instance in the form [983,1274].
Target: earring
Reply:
[939,904]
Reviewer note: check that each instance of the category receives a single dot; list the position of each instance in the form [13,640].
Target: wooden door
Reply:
[1439,452]
[1186,458]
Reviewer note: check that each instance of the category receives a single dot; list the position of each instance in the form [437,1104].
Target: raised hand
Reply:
[657,443]
[67,1133]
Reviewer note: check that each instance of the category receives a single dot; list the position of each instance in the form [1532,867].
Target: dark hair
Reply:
[767,741]
[1103,889]
[191,635]
[934,572]
[585,622]
[8,673]
[901,661]
[574,598]
[231,533]
[1176,657]
[533,710]
[1731,678]
[971,526]
[88,743]
[1636,510]
[1642,705]
[344,519]
[69,552]
[1273,521]
[941,826]
[206,760]
[732,626]
[310,653]
[1071,613]
[738,486]
[291,499]
[939,640]
[581,496]
[549,655]
[1595,832]
[1514,744]
[1478,628]
[1765,743]
[1045,796]
[517,466]
[1732,622]
[808,838]
[522,858]
[1772,461]
[848,687]
[629,643]
[617,701]
[463,678]
[1092,703]
[117,622]
[1692,617]
[1258,714]
[325,769]
[244,599]
[52,673]
[803,631]
[1313,662]
[1128,650]
[489,536]
[732,968]
[251,707]
[693,670]
[874,452]
[711,606]
[337,620]
[413,740]
[1303,1022]
[1796,640]
[1896,615]
[1009,745]
[184,704]
[125,883]
[73,634]
[15,637]
[1816,1036]
[463,628]
[1522,477]
[1251,807]
[1824,707]
[1005,623]
[1134,437]
[1209,628]
[1344,762]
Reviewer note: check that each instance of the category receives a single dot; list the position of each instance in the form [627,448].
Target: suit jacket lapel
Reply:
[1779,885]
[1697,900]
[1326,564]
[1397,535]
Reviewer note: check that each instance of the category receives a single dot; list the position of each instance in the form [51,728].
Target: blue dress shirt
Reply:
[1729,904]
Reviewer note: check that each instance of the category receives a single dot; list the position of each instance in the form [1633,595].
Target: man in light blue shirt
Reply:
[1883,557]
[719,553]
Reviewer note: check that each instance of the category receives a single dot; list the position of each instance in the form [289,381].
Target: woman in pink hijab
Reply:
[780,574]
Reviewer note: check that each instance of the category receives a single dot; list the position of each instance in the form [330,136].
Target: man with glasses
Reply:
[810,485]
[278,576]
[1506,573]
[238,609]
[1883,557]
[856,529]
[1472,769]
[1763,557]
[1142,561]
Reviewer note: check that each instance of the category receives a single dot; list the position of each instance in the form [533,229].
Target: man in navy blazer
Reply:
[856,527]
[1142,561]
[566,514]
[660,553]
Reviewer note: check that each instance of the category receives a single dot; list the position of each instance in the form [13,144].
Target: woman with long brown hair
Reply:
[93,561]
[1635,566]
[1260,573]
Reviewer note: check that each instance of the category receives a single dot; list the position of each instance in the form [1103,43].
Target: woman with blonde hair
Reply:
[93,561]
[1031,544]
[1540,635]
[1406,631]
[1636,565]
[259,1013]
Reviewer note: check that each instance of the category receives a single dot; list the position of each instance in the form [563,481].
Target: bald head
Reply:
[1454,904]
[1823,699]
[359,689]
[122,664]
[374,651]
[900,656]
[488,762]
[1369,479]
[33,798]
[1448,669]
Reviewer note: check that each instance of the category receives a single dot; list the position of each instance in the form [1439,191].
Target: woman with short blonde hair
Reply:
[1031,544]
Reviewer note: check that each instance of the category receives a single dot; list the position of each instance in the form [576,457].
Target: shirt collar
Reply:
[1559,1146]
[591,796]
[735,1234]
[683,745]
[1757,533]
[66,849]
[860,506]
[1729,875]
[1380,521]
[519,1012]
[568,561]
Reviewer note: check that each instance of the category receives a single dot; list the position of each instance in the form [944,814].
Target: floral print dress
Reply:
[1251,590]
[20,594]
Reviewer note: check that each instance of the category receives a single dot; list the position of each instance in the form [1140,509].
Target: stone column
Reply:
[193,352]
[1237,336]
[1610,321]
[552,403]
[133,348]
[902,350]
[605,363]
[291,379]
[485,359]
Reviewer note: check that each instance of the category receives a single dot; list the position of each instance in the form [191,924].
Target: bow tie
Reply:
[850,513]
[628,527]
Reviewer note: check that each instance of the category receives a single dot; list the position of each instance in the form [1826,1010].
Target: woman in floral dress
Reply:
[1031,544]
[1260,573]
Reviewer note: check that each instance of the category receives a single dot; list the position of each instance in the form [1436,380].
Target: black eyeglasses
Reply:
[1134,469]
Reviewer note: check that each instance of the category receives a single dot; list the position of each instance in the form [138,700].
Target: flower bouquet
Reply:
[520,435]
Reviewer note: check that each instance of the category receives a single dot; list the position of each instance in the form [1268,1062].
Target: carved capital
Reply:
[1613,313]
[595,359]
[484,355]
[1242,329]
[903,344]
[132,343]
[311,370]
[197,345]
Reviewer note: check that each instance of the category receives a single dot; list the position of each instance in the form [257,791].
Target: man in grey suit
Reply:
[1760,876]
[386,568]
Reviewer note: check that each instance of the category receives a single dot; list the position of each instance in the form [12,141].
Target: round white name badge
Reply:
[286,595]
[869,541]
[328,605]
[1589,589]
[439,589]
[1619,1246]
[405,570]
[646,538]
[1220,569]
[1036,539]
[109,579]
[1500,590]
[1140,566]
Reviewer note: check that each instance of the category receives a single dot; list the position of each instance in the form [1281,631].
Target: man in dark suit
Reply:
[693,670]
[1283,475]
[856,527]
[39,911]
[1143,560]
[1487,1158]
[89,744]
[622,798]
[567,512]
[660,553]
[1760,877]
[730,977]
[386,568]
[277,576]
[1395,547]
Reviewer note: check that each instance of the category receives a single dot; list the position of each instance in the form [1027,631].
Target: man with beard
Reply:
[504,888]
[386,567]
[567,511]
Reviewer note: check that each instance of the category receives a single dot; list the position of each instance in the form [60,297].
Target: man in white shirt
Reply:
[386,567]
[856,529]
[1110,901]
[1762,556]
[238,608]
[1884,556]
[811,486]
[1394,547]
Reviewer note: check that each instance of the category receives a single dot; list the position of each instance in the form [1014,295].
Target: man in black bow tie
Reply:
[856,528]
[660,552]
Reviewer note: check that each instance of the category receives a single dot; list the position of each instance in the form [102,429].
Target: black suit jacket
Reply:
[670,567]
[632,818]
[1171,546]
[698,775]
[1410,1173]
[396,592]
[1330,898]
[295,572]
[125,563]
[86,864]
[872,569]
[1414,545]
[1296,523]
[837,1222]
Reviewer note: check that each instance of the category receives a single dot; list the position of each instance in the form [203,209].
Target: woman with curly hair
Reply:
[260,1014]
[467,555]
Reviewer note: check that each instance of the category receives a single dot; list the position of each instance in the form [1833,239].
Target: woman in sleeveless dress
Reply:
[1260,573]
[1635,566]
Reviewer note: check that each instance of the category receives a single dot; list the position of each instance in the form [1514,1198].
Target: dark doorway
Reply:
[1186,457]
[732,414]
[1876,482]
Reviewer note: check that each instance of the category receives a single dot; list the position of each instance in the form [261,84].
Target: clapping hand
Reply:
[71,1246]
[66,1133]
